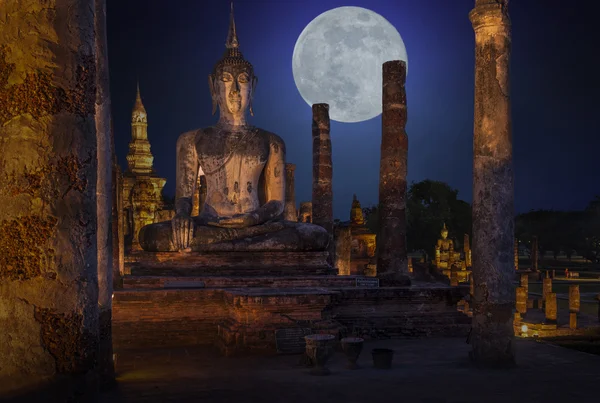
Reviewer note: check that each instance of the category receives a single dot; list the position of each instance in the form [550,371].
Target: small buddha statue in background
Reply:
[444,250]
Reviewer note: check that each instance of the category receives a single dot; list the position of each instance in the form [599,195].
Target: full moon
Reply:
[338,60]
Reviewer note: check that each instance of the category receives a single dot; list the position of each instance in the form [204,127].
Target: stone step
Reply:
[162,282]
[228,264]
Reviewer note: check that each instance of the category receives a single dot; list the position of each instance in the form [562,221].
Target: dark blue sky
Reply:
[172,47]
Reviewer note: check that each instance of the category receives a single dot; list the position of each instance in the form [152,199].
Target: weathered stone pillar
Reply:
[118,227]
[392,262]
[322,192]
[546,287]
[290,212]
[343,247]
[574,299]
[104,195]
[516,254]
[524,282]
[54,191]
[492,336]
[467,250]
[521,304]
[551,308]
[534,254]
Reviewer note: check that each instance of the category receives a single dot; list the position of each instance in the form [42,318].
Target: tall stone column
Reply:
[392,259]
[290,212]
[343,249]
[118,227]
[534,254]
[516,254]
[322,192]
[492,336]
[54,191]
[104,140]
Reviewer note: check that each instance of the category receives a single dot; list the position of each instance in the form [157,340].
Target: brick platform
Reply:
[245,319]
[228,263]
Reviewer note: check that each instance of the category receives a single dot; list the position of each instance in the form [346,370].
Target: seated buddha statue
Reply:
[444,250]
[244,170]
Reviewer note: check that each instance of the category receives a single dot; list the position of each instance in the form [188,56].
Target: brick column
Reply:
[546,287]
[521,304]
[290,212]
[343,248]
[534,254]
[322,192]
[492,337]
[104,194]
[392,259]
[551,308]
[55,185]
[574,299]
[516,254]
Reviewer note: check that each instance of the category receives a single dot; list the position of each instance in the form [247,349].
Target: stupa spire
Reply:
[232,39]
[139,112]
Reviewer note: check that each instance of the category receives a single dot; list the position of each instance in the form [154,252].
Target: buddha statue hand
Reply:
[237,221]
[183,231]
[267,212]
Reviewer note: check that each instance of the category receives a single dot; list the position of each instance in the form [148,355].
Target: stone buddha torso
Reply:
[244,169]
[232,164]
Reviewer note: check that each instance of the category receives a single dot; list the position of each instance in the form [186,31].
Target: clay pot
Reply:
[352,346]
[319,347]
[382,358]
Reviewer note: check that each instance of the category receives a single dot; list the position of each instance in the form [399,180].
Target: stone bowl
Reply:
[319,347]
[352,347]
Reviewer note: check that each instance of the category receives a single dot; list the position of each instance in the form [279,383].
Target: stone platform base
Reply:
[240,320]
[170,282]
[228,263]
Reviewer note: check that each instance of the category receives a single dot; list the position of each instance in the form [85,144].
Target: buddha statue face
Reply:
[231,89]
[444,233]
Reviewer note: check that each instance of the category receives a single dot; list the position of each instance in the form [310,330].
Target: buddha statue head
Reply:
[444,232]
[232,81]
[356,214]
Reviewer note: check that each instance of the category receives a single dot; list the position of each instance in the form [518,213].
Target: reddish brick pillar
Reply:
[392,259]
[322,192]
[546,287]
[343,249]
[574,299]
[516,254]
[521,303]
[574,305]
[492,336]
[290,212]
[55,167]
[104,193]
[551,308]
[534,254]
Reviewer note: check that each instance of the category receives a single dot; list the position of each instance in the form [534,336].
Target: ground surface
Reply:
[427,371]
[424,371]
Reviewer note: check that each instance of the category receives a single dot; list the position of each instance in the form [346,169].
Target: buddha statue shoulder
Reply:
[244,169]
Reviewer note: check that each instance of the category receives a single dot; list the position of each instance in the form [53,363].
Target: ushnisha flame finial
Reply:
[232,39]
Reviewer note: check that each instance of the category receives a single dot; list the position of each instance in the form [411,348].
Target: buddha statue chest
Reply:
[232,164]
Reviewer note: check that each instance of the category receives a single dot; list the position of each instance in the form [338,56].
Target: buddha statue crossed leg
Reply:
[244,169]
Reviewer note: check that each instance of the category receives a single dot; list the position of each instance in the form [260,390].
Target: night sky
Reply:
[173,46]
